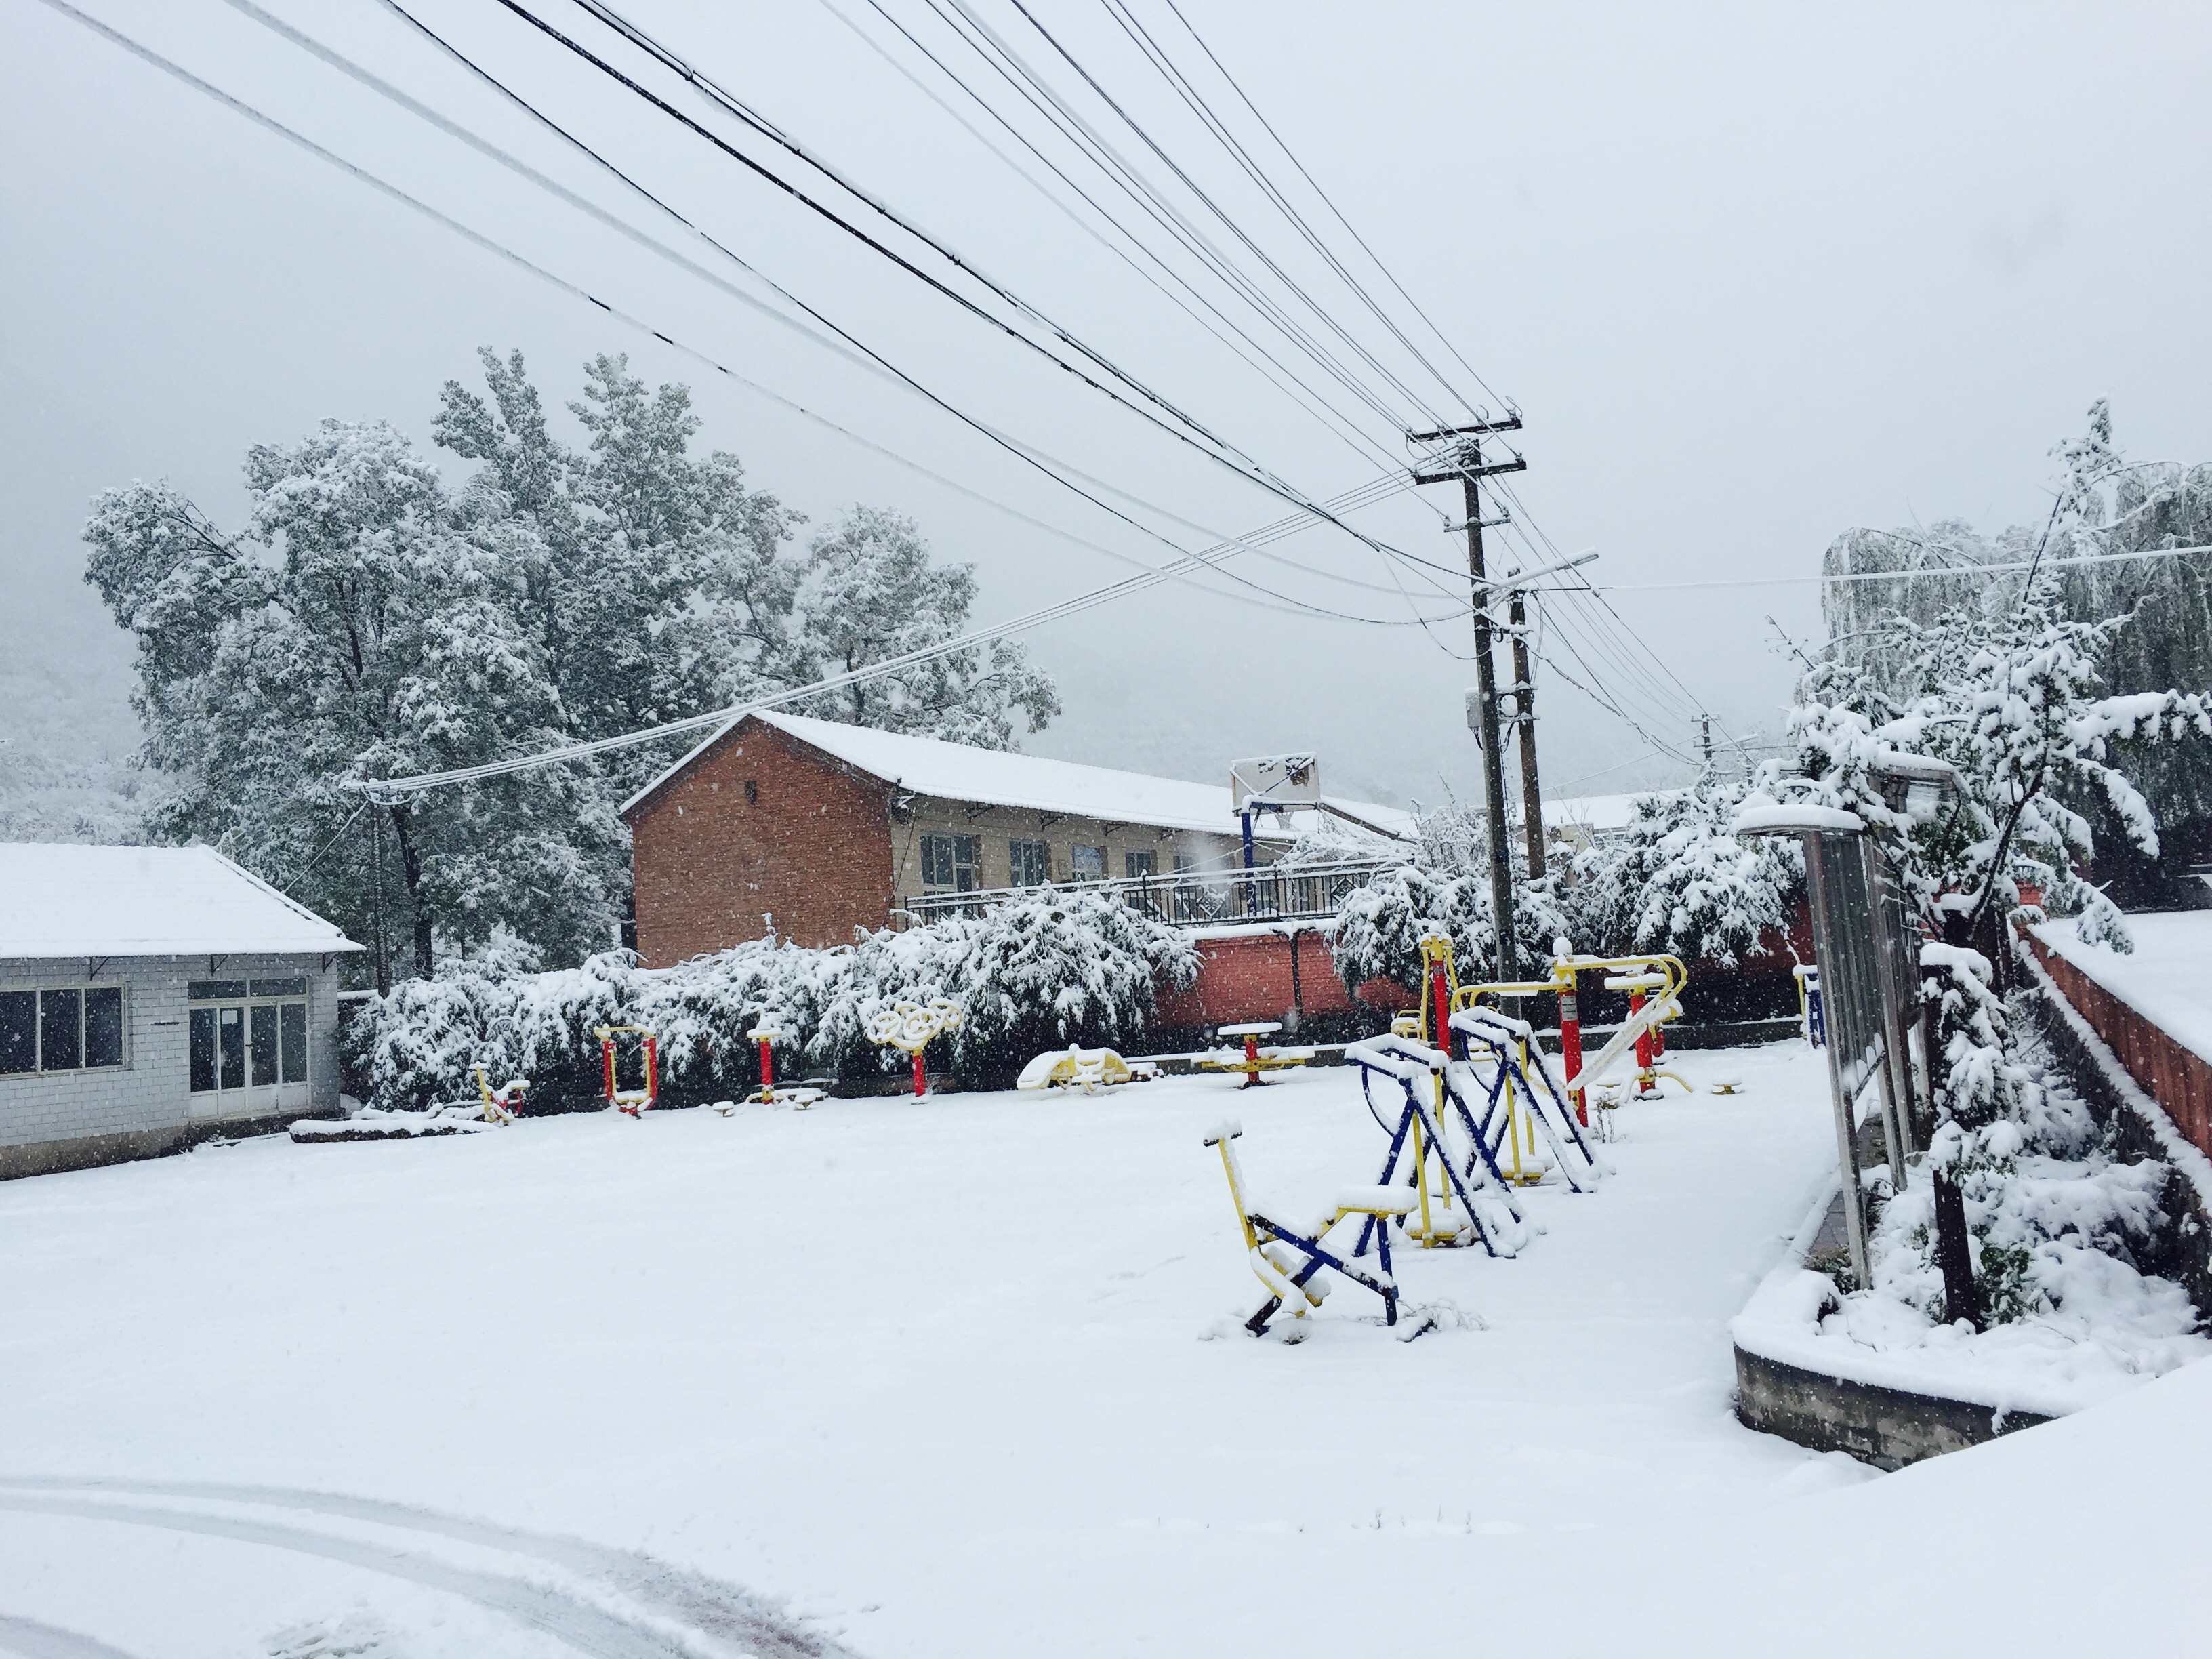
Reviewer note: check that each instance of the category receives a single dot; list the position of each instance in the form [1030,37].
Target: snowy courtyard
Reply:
[936,1377]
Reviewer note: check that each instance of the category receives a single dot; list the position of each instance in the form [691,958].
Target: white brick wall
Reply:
[152,1091]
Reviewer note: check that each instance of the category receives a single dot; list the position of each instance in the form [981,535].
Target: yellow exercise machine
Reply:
[499,1103]
[634,1102]
[1255,1060]
[1088,1069]
[1287,1261]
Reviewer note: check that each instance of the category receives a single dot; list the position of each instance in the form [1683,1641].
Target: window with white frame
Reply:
[73,1027]
[1087,863]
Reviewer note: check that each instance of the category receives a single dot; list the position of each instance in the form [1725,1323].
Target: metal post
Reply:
[1524,716]
[1847,1150]
[1493,752]
[1251,891]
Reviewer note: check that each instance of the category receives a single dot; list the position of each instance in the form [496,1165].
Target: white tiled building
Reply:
[150,996]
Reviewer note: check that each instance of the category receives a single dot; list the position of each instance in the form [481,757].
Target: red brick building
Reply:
[814,828]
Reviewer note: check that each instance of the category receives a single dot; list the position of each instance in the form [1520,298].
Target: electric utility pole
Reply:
[1465,462]
[1524,716]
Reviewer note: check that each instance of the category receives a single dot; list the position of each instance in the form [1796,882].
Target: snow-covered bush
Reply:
[1039,971]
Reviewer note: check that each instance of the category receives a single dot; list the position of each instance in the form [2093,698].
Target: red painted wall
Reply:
[1247,978]
[2178,1078]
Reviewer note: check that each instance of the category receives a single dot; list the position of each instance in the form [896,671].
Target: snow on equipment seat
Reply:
[634,1102]
[1288,1261]
[1255,1060]
[1088,1069]
[499,1103]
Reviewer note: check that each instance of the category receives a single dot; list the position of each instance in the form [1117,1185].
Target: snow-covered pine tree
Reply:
[1444,885]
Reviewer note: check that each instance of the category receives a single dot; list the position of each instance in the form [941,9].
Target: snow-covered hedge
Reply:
[1031,973]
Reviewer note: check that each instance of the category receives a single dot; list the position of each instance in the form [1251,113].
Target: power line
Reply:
[1357,349]
[478,239]
[1312,402]
[1061,472]
[1058,114]
[720,717]
[1326,201]
[1195,101]
[1226,455]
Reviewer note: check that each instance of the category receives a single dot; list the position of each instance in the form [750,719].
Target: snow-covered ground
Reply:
[936,1377]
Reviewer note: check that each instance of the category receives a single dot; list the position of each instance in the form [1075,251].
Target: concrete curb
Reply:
[1885,1427]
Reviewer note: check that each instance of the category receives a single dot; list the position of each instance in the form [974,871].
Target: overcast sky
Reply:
[1752,276]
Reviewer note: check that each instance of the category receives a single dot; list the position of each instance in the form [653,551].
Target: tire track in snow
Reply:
[713,1607]
[570,1620]
[33,1640]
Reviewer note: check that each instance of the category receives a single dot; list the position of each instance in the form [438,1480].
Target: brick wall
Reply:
[809,844]
[2177,1077]
[1249,976]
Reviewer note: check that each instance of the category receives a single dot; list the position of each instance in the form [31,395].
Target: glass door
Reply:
[218,1061]
[248,1042]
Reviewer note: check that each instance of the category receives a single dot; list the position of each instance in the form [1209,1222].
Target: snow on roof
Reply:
[61,900]
[955,771]
[1598,812]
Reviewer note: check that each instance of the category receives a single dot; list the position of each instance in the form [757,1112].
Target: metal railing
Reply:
[1189,898]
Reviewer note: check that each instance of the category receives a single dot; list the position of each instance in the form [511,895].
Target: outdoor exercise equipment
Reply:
[1811,1018]
[1445,1172]
[1088,1069]
[632,1101]
[1728,1086]
[1511,1099]
[1286,1260]
[500,1103]
[910,1026]
[767,1033]
[1255,1060]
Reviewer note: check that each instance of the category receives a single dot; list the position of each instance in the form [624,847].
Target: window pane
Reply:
[264,1047]
[295,1042]
[1137,864]
[1089,863]
[1030,862]
[967,858]
[210,990]
[61,1030]
[103,1025]
[19,1032]
[231,1037]
[203,1047]
[294,987]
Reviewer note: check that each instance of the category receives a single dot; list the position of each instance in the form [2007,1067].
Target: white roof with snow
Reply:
[954,771]
[60,900]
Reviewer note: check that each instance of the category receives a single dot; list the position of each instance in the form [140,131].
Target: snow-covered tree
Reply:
[1443,886]
[359,627]
[1039,972]
[2106,508]
[870,593]
[2013,701]
[370,622]
[1678,881]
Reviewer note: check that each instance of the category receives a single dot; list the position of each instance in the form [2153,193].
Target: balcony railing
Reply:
[1189,898]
